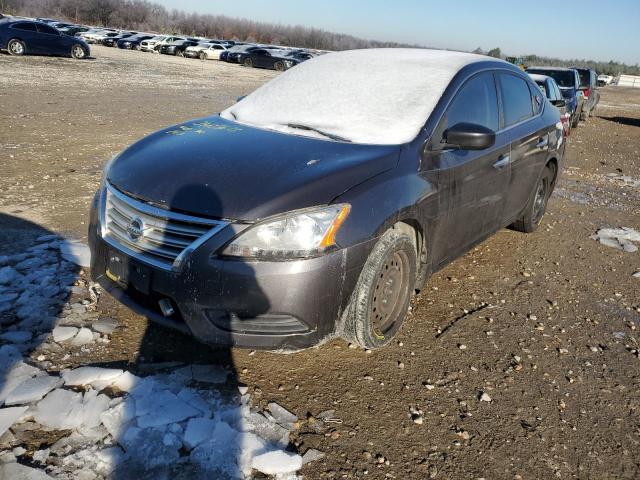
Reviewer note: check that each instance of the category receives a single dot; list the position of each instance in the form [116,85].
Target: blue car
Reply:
[21,37]
[568,80]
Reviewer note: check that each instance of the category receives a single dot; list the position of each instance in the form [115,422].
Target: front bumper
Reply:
[286,305]
[191,54]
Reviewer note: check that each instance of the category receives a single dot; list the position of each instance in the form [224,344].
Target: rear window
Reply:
[31,27]
[585,79]
[564,78]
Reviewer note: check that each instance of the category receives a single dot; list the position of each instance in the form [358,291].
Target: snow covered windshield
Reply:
[374,96]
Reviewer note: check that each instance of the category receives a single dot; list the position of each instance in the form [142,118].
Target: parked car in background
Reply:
[98,37]
[194,51]
[271,59]
[355,198]
[149,45]
[73,30]
[177,48]
[569,82]
[134,42]
[20,37]
[113,40]
[589,89]
[166,41]
[550,89]
[604,80]
[211,52]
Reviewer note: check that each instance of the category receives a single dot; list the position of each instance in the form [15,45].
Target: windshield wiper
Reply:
[324,134]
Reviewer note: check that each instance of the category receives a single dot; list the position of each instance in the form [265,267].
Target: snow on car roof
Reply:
[372,96]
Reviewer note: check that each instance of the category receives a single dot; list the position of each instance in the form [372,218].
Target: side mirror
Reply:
[469,136]
[559,103]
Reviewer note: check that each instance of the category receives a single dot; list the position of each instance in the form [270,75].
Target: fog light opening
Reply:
[166,307]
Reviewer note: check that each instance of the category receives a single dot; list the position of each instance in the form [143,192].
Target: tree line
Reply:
[144,15]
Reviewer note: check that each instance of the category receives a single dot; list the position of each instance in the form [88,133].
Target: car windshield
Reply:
[564,78]
[374,96]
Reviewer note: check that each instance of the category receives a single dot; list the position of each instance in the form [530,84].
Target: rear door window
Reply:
[29,27]
[47,29]
[516,99]
[476,102]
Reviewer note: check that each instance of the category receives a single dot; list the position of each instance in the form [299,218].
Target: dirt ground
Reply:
[544,325]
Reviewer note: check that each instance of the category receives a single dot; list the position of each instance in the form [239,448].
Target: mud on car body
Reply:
[280,228]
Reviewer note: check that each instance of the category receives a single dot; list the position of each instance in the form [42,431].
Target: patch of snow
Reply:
[17,471]
[9,416]
[198,430]
[105,325]
[76,252]
[277,462]
[60,410]
[370,96]
[281,415]
[163,408]
[619,238]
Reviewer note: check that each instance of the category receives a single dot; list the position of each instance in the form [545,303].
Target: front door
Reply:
[473,183]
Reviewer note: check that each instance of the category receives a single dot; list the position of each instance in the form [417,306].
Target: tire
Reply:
[248,62]
[372,321]
[16,47]
[537,205]
[78,52]
[179,53]
[203,56]
[576,119]
[280,67]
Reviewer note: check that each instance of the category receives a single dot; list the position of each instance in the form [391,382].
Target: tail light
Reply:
[565,124]
[587,92]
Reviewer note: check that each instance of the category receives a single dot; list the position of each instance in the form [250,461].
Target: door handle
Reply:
[502,162]
[543,142]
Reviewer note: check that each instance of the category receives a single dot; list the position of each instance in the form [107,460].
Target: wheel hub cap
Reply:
[389,293]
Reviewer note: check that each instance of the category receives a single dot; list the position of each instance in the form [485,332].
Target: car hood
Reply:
[217,168]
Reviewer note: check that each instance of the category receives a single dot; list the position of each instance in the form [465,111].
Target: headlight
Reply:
[288,63]
[299,234]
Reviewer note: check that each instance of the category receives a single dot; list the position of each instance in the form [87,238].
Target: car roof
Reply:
[536,77]
[559,69]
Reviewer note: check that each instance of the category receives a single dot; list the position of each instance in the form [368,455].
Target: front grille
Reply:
[156,236]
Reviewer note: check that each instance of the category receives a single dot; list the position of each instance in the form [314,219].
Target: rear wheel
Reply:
[538,204]
[179,53]
[203,56]
[280,66]
[381,298]
[78,52]
[16,47]
[248,62]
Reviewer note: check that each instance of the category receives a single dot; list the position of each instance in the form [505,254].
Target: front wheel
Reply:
[16,47]
[537,206]
[179,53]
[78,52]
[203,56]
[280,67]
[381,298]
[248,62]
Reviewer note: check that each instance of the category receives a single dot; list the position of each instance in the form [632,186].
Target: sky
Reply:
[589,29]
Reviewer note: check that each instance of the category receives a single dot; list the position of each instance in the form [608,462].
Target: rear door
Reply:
[28,33]
[51,41]
[522,105]
[472,183]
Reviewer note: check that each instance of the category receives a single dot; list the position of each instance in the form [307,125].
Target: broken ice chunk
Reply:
[270,431]
[9,416]
[83,337]
[93,407]
[62,334]
[196,401]
[126,382]
[312,455]
[89,375]
[277,462]
[281,415]
[219,452]
[60,409]
[116,419]
[105,325]
[163,408]
[198,430]
[32,390]
[76,252]
[16,471]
